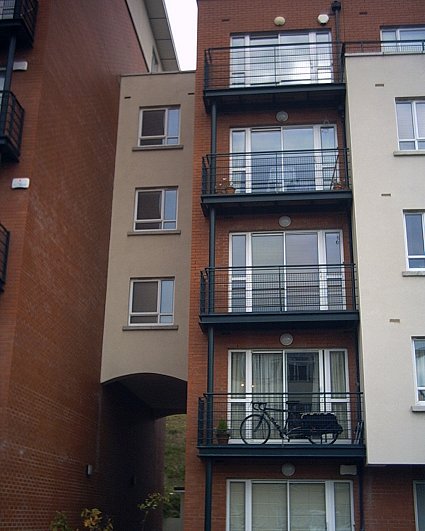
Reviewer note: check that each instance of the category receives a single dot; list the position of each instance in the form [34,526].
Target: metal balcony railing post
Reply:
[201,421]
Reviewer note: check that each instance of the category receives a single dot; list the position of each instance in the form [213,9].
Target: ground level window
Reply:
[419,493]
[289,505]
[151,301]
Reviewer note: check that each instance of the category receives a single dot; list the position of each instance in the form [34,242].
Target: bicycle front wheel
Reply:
[255,429]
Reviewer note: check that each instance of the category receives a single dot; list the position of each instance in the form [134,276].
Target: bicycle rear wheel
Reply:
[323,439]
[255,429]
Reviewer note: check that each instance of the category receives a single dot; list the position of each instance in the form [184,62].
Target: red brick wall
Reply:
[51,313]
[218,19]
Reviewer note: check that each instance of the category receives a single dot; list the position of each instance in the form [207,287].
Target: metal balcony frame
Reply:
[20,21]
[11,125]
[4,251]
[218,190]
[239,96]
[209,446]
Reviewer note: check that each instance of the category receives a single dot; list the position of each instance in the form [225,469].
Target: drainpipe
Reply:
[208,495]
[336,8]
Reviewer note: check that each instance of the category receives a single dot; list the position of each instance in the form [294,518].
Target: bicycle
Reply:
[319,428]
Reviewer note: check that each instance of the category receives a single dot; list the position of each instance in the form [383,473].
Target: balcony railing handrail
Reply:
[278,289]
[274,171]
[11,119]
[233,408]
[210,51]
[4,250]
[382,45]
[344,265]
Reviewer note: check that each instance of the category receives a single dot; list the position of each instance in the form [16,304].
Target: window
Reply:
[285,58]
[151,301]
[284,158]
[303,380]
[287,271]
[411,124]
[159,127]
[419,496]
[415,237]
[419,348]
[156,209]
[403,40]
[254,505]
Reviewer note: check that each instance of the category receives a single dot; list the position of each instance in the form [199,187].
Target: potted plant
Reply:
[221,432]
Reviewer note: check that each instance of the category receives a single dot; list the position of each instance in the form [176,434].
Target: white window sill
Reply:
[150,327]
[156,148]
[154,232]
[409,152]
[418,409]
[418,273]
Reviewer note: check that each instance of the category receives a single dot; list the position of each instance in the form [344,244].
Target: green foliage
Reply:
[221,426]
[60,523]
[151,503]
[92,519]
[174,461]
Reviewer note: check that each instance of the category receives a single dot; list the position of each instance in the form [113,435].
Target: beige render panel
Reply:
[392,307]
[133,351]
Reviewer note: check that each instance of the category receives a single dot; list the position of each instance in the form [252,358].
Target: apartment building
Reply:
[306,342]
[66,442]
[145,342]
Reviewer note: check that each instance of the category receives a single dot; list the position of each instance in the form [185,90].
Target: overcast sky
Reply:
[182,15]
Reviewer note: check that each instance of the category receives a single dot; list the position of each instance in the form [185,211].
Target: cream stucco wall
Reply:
[136,350]
[392,306]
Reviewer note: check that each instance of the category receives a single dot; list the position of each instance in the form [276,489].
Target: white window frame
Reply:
[418,388]
[324,276]
[319,160]
[162,221]
[165,138]
[325,384]
[415,500]
[329,499]
[400,45]
[414,256]
[157,313]
[416,138]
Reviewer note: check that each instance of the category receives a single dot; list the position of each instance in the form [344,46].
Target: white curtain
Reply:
[237,506]
[269,507]
[342,507]
[307,507]
[337,362]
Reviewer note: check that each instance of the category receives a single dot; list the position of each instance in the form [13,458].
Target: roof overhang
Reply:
[158,20]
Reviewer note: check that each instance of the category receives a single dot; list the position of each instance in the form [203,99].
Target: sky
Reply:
[182,16]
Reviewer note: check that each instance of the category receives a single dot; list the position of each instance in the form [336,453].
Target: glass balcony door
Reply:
[292,271]
[281,59]
[284,159]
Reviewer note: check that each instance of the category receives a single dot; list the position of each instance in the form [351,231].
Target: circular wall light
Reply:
[279,21]
[288,469]
[285,221]
[282,116]
[286,339]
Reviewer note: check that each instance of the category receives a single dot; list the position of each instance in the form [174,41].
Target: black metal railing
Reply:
[276,172]
[390,47]
[21,11]
[4,250]
[228,411]
[273,65]
[11,124]
[278,289]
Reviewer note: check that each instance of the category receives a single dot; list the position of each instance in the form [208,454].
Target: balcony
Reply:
[293,420]
[11,124]
[234,182]
[18,17]
[240,76]
[4,249]
[411,46]
[234,297]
